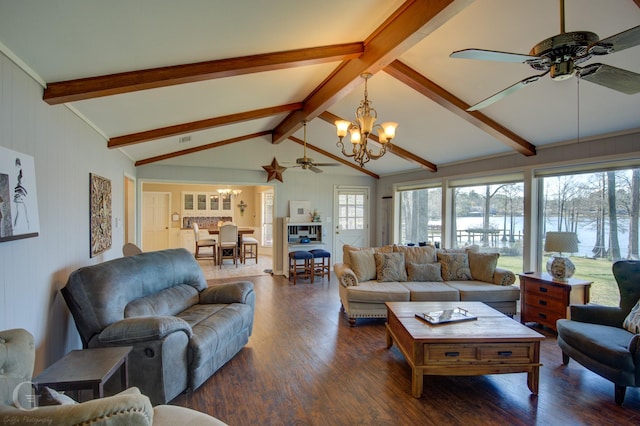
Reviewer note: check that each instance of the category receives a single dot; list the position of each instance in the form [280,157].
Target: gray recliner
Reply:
[158,302]
[594,336]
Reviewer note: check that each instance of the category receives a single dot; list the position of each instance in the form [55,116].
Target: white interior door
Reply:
[155,221]
[352,218]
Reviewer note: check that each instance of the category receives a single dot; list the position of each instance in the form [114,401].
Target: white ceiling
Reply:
[71,39]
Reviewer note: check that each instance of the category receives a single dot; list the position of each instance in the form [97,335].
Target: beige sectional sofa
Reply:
[370,276]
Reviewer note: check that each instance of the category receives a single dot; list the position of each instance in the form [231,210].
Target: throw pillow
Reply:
[363,265]
[423,272]
[52,397]
[483,265]
[632,321]
[454,266]
[390,267]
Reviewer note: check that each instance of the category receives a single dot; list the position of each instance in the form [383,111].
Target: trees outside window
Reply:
[420,214]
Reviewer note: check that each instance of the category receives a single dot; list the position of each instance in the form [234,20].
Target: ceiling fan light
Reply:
[342,127]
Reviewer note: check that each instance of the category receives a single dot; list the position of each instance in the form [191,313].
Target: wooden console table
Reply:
[86,369]
[544,300]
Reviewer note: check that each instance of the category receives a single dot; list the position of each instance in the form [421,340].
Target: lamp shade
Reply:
[560,242]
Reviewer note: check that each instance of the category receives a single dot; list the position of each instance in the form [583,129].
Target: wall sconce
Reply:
[242,206]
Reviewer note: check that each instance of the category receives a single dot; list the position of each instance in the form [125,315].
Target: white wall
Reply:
[65,151]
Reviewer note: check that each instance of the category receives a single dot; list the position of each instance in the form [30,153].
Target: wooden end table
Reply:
[545,300]
[86,369]
[492,344]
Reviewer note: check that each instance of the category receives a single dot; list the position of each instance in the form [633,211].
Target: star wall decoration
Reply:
[274,170]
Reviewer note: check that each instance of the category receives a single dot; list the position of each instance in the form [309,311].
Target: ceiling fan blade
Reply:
[503,93]
[617,42]
[326,164]
[314,169]
[491,55]
[618,79]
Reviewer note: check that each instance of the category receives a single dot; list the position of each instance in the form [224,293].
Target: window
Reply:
[267,219]
[602,207]
[351,211]
[491,216]
[420,215]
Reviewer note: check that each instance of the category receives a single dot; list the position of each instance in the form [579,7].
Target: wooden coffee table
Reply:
[492,344]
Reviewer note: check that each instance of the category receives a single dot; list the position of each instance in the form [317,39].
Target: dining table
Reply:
[245,230]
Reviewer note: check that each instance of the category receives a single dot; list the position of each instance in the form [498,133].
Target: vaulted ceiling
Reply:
[227,84]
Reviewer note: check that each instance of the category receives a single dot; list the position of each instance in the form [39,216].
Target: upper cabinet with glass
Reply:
[206,204]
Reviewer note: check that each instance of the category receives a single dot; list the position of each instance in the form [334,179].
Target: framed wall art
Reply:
[299,211]
[100,212]
[18,200]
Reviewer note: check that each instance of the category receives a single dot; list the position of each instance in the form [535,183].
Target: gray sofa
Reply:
[158,302]
[427,276]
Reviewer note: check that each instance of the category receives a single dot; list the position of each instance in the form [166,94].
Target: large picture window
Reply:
[491,216]
[420,216]
[602,209]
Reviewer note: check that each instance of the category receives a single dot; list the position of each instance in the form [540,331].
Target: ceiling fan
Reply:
[307,163]
[560,55]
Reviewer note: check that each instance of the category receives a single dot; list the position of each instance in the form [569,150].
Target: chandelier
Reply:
[361,128]
[225,192]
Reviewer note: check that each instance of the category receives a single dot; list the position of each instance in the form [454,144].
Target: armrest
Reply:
[141,329]
[129,407]
[237,292]
[597,314]
[345,275]
[503,277]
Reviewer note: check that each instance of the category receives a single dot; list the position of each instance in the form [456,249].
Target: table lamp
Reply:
[559,267]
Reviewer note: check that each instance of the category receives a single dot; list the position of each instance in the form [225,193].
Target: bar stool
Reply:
[297,269]
[249,249]
[321,263]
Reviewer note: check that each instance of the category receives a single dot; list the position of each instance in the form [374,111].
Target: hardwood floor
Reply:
[304,365]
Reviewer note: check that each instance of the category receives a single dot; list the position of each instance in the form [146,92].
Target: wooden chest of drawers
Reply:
[545,301]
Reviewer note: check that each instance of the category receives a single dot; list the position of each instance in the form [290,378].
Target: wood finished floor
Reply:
[304,365]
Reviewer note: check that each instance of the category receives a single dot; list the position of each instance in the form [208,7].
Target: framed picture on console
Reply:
[18,199]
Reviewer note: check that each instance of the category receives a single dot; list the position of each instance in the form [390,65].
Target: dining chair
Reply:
[228,244]
[249,249]
[203,242]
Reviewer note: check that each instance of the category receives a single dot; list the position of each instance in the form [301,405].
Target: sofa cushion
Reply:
[347,249]
[375,292]
[363,265]
[479,291]
[431,292]
[608,345]
[632,321]
[454,266]
[482,265]
[423,271]
[426,254]
[390,267]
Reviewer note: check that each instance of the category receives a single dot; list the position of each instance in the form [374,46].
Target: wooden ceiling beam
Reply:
[126,82]
[200,148]
[334,157]
[407,26]
[394,149]
[428,88]
[194,126]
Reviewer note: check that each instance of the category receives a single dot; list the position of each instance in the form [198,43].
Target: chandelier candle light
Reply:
[362,127]
[560,267]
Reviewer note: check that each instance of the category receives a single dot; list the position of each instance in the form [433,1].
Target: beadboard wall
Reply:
[65,151]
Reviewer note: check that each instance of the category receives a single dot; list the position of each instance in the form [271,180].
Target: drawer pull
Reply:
[505,353]
[542,302]
[543,289]
[452,353]
[541,315]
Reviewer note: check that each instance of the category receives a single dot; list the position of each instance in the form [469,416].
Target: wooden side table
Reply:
[544,300]
[86,369]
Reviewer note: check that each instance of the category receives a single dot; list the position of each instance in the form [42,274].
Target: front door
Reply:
[155,221]
[352,214]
